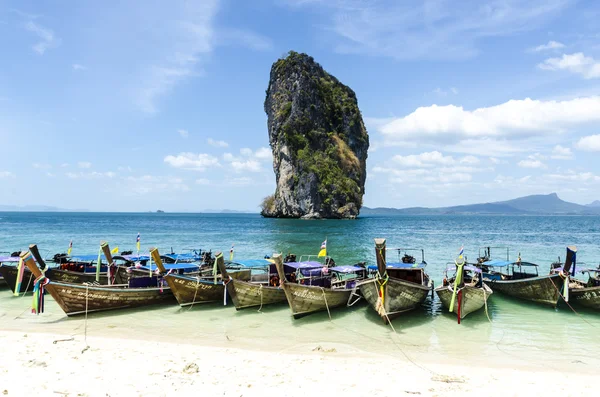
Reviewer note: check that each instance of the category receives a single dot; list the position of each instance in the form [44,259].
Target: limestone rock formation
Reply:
[319,142]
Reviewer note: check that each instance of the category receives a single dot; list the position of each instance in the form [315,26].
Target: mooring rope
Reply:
[260,291]
[326,304]
[568,304]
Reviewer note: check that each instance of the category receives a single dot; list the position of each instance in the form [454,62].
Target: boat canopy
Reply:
[85,258]
[346,269]
[183,257]
[499,263]
[401,265]
[132,258]
[304,265]
[251,262]
[9,259]
[582,270]
[466,267]
[186,267]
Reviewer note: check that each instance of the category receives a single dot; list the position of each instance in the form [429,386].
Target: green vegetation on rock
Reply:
[319,141]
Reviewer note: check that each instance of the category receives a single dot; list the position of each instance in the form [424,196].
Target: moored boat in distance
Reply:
[521,280]
[261,289]
[77,299]
[464,292]
[312,287]
[395,288]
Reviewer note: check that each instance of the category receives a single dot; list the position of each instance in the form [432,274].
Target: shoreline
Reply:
[54,364]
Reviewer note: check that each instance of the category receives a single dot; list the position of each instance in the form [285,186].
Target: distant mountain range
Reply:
[539,204]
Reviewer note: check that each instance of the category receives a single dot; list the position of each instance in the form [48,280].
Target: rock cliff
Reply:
[319,142]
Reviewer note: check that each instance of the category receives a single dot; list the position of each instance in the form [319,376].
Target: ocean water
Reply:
[512,332]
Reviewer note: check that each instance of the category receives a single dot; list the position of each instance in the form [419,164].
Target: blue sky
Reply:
[138,105]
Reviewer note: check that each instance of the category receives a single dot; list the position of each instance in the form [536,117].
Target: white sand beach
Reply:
[56,365]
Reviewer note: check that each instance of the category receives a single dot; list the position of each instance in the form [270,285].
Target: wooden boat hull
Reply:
[245,294]
[399,296]
[588,297]
[473,298]
[73,298]
[10,275]
[191,290]
[542,289]
[307,299]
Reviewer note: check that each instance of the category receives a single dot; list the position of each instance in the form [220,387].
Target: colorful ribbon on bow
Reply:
[38,294]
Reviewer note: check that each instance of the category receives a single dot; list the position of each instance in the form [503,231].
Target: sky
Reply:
[146,105]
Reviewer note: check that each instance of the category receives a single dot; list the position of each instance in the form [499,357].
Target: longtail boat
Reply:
[521,279]
[395,288]
[311,287]
[260,290]
[586,294]
[77,299]
[464,292]
[191,290]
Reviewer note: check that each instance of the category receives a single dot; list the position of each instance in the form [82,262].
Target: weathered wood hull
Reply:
[472,299]
[10,275]
[542,289]
[191,290]
[307,299]
[74,298]
[588,297]
[399,296]
[2,282]
[245,294]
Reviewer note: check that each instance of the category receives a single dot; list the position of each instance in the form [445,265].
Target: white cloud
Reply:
[216,143]
[42,166]
[47,38]
[241,181]
[144,184]
[90,175]
[50,175]
[577,63]
[561,153]
[571,175]
[530,163]
[186,40]
[494,160]
[202,181]
[469,160]
[415,29]
[441,92]
[589,143]
[246,151]
[84,164]
[552,45]
[247,165]
[183,133]
[263,153]
[427,159]
[515,118]
[77,66]
[246,38]
[64,165]
[228,157]
[6,175]
[192,161]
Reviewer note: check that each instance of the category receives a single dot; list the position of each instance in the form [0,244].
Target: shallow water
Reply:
[517,333]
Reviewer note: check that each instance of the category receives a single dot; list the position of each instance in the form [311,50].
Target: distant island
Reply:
[36,208]
[539,204]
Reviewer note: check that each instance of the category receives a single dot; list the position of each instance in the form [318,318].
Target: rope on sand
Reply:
[568,304]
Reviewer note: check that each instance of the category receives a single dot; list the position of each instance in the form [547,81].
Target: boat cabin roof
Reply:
[9,259]
[304,265]
[346,269]
[183,257]
[583,270]
[499,263]
[85,258]
[132,258]
[400,265]
[186,267]
[251,262]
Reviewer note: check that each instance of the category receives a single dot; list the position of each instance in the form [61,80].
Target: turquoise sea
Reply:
[516,332]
